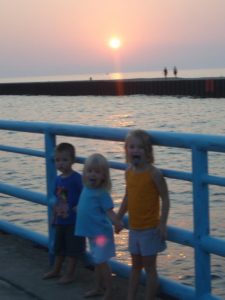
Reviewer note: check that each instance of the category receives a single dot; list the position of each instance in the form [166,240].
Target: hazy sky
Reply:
[54,37]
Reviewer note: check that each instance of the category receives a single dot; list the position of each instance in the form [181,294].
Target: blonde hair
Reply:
[145,140]
[98,161]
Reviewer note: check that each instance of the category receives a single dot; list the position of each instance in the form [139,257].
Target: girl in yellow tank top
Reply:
[143,200]
[147,202]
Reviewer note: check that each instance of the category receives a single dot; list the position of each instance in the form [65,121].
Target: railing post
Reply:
[50,142]
[201,222]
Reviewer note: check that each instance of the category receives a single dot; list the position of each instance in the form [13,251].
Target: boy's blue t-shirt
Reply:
[92,220]
[69,187]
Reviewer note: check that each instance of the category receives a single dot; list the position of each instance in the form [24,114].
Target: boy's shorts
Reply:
[102,249]
[146,242]
[66,243]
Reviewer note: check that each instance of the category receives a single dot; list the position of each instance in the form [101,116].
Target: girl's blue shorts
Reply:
[102,248]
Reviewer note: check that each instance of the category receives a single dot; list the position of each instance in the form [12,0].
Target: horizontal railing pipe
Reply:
[213,245]
[177,174]
[181,291]
[24,151]
[176,290]
[24,194]
[24,233]
[168,139]
[181,236]
[214,180]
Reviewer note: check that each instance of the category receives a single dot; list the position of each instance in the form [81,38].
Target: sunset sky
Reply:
[57,37]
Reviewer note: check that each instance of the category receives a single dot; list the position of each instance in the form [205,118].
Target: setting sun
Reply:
[114,43]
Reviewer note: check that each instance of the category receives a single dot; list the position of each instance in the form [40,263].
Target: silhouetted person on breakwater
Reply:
[165,71]
[175,71]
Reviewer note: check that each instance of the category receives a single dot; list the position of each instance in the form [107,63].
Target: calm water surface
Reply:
[147,112]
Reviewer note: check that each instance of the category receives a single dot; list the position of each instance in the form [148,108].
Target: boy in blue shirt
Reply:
[67,190]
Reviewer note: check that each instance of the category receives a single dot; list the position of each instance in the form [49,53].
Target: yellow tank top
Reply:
[143,200]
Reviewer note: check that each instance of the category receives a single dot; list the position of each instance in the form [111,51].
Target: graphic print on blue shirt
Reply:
[67,190]
[62,208]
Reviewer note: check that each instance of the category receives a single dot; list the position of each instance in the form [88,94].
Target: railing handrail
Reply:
[199,145]
[207,142]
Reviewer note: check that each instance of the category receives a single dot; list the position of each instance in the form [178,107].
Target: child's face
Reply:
[135,152]
[64,162]
[94,177]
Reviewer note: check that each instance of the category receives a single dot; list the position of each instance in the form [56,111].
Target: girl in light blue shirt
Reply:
[95,216]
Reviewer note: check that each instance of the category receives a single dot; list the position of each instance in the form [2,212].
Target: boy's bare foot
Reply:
[51,274]
[65,279]
[108,297]
[94,293]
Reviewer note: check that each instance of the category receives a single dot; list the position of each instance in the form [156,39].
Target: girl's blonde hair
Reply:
[99,162]
[145,140]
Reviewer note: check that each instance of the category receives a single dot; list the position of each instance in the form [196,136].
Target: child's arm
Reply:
[164,195]
[115,220]
[123,207]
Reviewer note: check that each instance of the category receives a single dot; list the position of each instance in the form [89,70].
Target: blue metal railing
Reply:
[200,240]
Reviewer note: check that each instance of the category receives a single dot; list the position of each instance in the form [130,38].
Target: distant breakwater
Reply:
[194,87]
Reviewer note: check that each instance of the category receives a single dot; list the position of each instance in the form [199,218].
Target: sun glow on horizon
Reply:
[115,43]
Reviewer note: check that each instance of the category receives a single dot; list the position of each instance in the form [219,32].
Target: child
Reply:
[145,185]
[68,189]
[94,210]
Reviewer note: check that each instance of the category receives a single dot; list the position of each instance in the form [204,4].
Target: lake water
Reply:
[175,114]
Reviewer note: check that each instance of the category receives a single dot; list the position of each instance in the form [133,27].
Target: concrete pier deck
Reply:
[22,265]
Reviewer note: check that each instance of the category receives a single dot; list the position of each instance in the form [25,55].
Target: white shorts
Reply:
[145,242]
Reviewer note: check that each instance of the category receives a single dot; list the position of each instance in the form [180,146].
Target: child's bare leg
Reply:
[56,269]
[98,290]
[152,282]
[70,268]
[107,279]
[134,276]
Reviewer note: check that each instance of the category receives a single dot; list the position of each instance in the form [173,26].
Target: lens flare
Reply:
[101,240]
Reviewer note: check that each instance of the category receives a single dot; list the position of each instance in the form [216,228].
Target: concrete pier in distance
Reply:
[193,87]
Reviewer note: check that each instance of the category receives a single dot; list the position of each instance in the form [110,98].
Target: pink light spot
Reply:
[101,240]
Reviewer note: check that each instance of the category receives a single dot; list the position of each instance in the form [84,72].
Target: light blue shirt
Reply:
[92,219]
